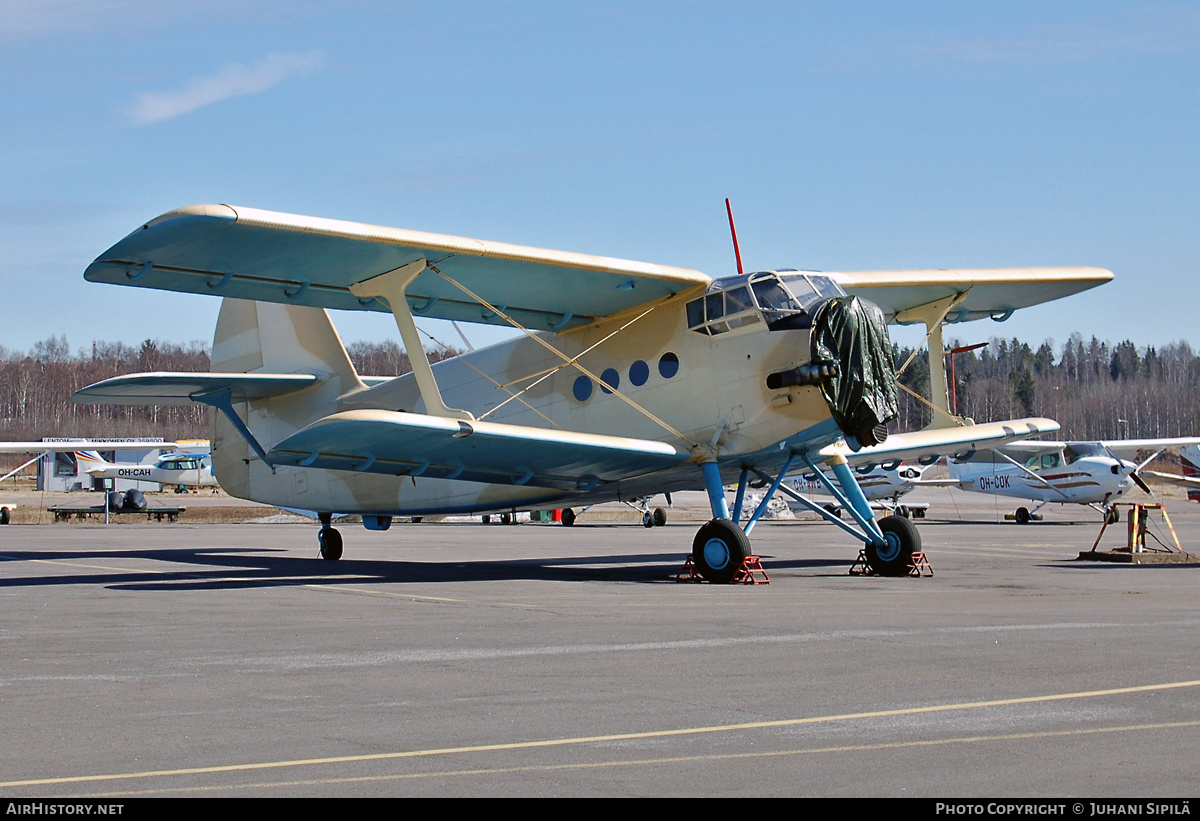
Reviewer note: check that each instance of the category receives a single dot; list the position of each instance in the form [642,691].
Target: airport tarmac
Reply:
[466,659]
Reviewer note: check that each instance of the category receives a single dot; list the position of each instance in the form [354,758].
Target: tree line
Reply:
[1094,389]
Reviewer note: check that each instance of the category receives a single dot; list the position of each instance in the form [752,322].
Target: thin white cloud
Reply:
[231,81]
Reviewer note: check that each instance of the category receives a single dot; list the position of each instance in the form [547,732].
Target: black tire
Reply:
[1023,516]
[902,510]
[647,519]
[416,520]
[1112,516]
[487,519]
[834,509]
[5,516]
[719,550]
[660,517]
[568,517]
[330,541]
[894,558]
[506,518]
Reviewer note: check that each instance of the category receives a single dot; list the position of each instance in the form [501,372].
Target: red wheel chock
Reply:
[743,575]
[917,567]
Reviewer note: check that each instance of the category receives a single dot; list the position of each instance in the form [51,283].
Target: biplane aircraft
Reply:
[630,378]
[1096,474]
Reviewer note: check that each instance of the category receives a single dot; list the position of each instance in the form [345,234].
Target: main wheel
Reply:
[1112,516]
[568,517]
[1023,516]
[330,541]
[718,550]
[894,556]
[4,516]
[647,519]
[660,517]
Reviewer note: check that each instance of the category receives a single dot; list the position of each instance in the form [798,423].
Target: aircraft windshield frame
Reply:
[784,300]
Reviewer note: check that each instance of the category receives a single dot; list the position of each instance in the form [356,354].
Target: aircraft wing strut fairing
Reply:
[631,379]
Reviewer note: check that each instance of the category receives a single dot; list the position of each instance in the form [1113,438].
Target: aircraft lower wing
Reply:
[396,443]
[931,444]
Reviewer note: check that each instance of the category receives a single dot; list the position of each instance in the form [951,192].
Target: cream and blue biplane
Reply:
[630,379]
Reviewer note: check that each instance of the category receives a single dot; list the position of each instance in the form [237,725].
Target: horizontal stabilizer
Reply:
[396,443]
[930,444]
[180,388]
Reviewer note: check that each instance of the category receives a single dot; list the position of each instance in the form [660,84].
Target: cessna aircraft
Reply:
[1083,473]
[882,485]
[631,378]
[73,445]
[183,469]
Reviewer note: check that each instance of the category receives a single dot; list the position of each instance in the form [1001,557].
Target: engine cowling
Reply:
[851,333]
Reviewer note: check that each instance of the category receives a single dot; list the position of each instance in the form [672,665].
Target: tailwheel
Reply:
[718,550]
[330,541]
[894,556]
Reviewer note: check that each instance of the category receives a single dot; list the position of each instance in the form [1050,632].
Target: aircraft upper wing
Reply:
[994,292]
[397,443]
[71,445]
[1125,448]
[1174,478]
[248,253]
[930,444]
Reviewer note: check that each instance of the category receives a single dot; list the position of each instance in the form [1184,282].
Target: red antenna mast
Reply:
[736,252]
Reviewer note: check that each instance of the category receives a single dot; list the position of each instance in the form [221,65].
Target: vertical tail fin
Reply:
[268,337]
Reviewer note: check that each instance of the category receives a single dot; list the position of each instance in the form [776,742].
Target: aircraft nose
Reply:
[852,333]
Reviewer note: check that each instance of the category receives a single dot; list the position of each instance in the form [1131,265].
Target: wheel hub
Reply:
[716,554]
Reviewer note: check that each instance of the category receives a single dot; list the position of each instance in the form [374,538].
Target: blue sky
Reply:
[849,136]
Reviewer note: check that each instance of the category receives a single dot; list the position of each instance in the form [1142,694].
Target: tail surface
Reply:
[269,337]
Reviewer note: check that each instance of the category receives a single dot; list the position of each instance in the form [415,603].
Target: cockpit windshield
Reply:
[1078,450]
[784,300]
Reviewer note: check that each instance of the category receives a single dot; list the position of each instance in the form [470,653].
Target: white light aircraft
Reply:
[882,484]
[72,445]
[181,469]
[631,379]
[1096,474]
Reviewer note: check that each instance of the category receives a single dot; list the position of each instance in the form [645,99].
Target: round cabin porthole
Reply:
[639,372]
[582,389]
[668,365]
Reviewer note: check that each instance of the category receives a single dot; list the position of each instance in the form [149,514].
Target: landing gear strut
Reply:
[329,539]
